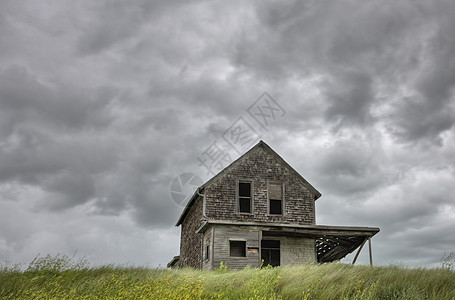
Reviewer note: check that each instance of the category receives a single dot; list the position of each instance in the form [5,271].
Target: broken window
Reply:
[275,198]
[270,252]
[237,248]
[244,190]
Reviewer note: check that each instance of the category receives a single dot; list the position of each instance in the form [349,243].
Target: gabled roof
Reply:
[267,148]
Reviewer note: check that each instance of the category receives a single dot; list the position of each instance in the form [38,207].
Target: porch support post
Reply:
[358,251]
[260,249]
[369,247]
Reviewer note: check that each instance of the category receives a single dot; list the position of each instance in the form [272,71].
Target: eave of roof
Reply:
[309,230]
[188,206]
[259,144]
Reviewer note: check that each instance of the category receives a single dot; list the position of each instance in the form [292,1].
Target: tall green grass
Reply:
[63,278]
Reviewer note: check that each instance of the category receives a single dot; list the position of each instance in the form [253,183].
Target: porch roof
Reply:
[332,242]
[174,261]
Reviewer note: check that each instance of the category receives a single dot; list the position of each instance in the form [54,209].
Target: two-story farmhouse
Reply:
[259,208]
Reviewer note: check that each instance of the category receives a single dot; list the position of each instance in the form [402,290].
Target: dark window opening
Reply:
[245,205]
[270,253]
[245,197]
[275,207]
[270,244]
[275,199]
[244,189]
[207,253]
[237,248]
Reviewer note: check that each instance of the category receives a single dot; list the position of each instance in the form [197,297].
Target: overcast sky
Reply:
[104,103]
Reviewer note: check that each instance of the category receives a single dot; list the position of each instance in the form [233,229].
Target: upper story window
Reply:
[245,196]
[276,201]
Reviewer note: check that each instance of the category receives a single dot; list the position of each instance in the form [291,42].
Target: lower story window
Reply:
[237,248]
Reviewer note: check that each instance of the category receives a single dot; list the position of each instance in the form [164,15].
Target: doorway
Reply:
[270,252]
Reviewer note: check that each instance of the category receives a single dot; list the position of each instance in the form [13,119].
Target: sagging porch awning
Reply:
[332,242]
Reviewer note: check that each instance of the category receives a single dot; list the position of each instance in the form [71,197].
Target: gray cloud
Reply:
[419,119]
[114,22]
[69,189]
[350,99]
[23,99]
[349,167]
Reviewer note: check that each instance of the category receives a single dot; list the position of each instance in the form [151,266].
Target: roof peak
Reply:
[267,148]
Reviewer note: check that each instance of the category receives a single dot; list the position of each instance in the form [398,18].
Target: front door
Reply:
[270,252]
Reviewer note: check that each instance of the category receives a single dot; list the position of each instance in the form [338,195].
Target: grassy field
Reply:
[63,278]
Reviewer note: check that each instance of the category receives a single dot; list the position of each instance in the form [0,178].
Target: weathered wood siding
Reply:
[261,167]
[190,241]
[222,236]
[297,251]
[293,251]
[207,260]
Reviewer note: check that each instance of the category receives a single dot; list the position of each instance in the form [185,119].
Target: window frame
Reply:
[207,252]
[282,196]
[244,252]
[272,248]
[237,195]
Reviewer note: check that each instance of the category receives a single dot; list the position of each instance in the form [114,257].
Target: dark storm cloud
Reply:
[68,189]
[140,190]
[358,60]
[113,22]
[24,100]
[42,141]
[429,111]
[67,171]
[423,119]
[415,214]
[350,99]
[350,167]
[103,104]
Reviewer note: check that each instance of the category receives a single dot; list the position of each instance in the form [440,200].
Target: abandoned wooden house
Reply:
[260,210]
